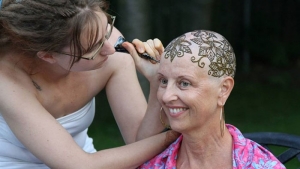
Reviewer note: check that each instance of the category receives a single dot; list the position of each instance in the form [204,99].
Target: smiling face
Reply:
[189,89]
[187,93]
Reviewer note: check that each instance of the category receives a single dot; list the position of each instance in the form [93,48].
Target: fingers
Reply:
[131,49]
[159,46]
[150,49]
[139,45]
[153,47]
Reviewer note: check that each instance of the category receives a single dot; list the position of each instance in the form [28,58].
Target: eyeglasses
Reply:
[92,55]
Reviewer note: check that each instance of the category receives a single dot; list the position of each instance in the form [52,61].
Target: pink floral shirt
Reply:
[246,154]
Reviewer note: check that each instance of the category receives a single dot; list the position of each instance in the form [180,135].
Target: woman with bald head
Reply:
[196,77]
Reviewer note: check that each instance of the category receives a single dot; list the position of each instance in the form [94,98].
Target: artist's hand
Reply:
[171,136]
[153,47]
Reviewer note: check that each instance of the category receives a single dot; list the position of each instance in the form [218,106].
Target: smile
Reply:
[176,110]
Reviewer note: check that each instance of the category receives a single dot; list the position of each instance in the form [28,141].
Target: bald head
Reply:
[210,50]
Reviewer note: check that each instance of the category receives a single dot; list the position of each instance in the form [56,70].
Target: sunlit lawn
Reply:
[251,108]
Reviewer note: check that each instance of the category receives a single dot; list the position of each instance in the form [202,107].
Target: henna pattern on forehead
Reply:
[217,50]
[178,47]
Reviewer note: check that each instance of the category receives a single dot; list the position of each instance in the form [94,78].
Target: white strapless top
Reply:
[13,154]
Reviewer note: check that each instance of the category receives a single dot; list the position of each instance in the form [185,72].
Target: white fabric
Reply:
[13,154]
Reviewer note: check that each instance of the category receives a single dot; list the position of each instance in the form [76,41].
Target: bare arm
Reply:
[42,135]
[124,93]
[151,124]
[135,119]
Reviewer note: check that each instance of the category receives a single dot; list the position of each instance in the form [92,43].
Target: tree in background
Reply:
[265,34]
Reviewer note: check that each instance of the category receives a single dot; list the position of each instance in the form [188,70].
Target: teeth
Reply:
[177,110]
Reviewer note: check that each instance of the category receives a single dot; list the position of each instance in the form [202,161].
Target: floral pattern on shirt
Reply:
[246,154]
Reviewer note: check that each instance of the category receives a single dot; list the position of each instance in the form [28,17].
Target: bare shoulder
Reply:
[119,60]
[12,77]
[15,87]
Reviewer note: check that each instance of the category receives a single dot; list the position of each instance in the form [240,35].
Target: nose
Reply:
[169,94]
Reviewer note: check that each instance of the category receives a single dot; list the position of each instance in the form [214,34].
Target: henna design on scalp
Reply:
[178,47]
[212,46]
[217,50]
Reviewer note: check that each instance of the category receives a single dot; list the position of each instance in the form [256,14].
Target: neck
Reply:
[209,151]
[51,73]
[36,68]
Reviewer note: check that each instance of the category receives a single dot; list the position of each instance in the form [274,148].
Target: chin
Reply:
[177,128]
[86,68]
[180,127]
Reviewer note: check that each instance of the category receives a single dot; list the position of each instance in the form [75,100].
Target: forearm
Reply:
[151,123]
[135,154]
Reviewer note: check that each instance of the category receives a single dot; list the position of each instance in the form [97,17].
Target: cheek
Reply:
[208,91]
[198,99]
[206,100]
[159,95]
[64,62]
[193,99]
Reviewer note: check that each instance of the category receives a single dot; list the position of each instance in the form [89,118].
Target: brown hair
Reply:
[49,25]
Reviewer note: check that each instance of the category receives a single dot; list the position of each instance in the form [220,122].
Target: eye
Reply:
[163,81]
[184,84]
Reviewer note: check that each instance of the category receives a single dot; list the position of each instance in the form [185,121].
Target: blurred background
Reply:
[266,39]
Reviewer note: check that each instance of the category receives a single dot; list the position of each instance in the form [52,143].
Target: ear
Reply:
[226,88]
[46,56]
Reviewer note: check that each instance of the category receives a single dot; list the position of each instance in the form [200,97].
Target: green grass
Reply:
[255,107]
[259,108]
[252,107]
[104,129]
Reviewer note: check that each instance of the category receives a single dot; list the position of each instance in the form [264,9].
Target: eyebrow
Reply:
[180,76]
[186,76]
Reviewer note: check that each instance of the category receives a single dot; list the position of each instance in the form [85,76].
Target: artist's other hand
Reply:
[171,136]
